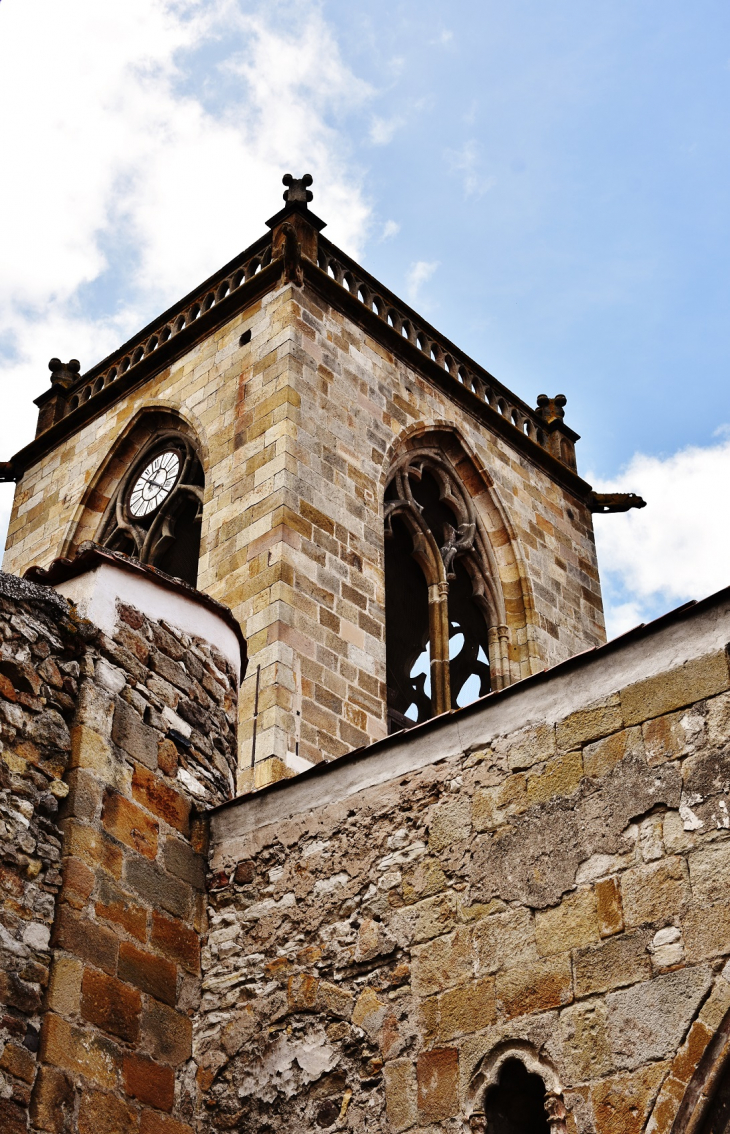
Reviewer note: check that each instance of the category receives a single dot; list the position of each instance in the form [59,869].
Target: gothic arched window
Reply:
[441,619]
[156,512]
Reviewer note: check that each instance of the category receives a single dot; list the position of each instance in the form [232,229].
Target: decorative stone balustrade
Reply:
[405,322]
[71,395]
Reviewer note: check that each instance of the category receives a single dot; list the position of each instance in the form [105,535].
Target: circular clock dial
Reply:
[155,484]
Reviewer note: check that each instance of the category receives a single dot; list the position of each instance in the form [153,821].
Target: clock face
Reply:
[155,484]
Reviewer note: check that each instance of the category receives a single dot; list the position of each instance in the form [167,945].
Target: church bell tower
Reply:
[395,531]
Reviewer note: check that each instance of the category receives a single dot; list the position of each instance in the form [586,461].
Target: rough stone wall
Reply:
[40,650]
[151,743]
[297,430]
[561,886]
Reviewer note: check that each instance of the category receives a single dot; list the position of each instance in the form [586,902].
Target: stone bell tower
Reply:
[276,425]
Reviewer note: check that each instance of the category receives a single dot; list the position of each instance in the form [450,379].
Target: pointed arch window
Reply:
[156,512]
[445,632]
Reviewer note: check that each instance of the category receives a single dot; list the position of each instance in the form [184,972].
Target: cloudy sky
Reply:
[548,183]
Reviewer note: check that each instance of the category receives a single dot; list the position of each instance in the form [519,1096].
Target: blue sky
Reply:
[547,183]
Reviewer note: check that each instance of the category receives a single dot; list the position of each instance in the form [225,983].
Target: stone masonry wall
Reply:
[559,885]
[151,743]
[40,651]
[297,431]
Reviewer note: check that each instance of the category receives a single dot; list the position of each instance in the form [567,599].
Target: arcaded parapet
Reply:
[528,896]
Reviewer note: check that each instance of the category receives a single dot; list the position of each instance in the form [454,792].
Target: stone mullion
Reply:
[499,656]
[438,616]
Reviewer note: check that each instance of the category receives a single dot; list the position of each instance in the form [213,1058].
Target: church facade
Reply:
[324,804]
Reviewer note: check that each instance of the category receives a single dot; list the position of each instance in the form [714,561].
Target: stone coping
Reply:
[96,577]
[690,632]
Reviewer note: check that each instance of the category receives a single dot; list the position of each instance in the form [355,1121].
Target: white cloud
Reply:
[467,161]
[675,549]
[382,130]
[418,275]
[391,228]
[126,183]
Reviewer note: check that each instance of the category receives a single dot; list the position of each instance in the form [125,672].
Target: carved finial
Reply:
[551,409]
[64,374]
[297,188]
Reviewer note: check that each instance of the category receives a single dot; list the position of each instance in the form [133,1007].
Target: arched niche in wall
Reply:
[147,498]
[448,630]
[515,1091]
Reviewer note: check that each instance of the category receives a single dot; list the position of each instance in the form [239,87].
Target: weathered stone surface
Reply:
[670,736]
[111,1005]
[617,961]
[132,735]
[603,755]
[608,907]
[585,1042]
[504,940]
[442,963]
[153,975]
[561,776]
[697,679]
[470,1008]
[166,1034]
[571,924]
[706,932]
[74,1050]
[493,806]
[150,1082]
[52,1101]
[437,1074]
[176,941]
[536,987]
[400,1094]
[517,861]
[450,822]
[130,824]
[709,871]
[647,1022]
[105,1114]
[652,892]
[622,1104]
[587,724]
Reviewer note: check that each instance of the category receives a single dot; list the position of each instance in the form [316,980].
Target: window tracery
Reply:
[156,512]
[443,626]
